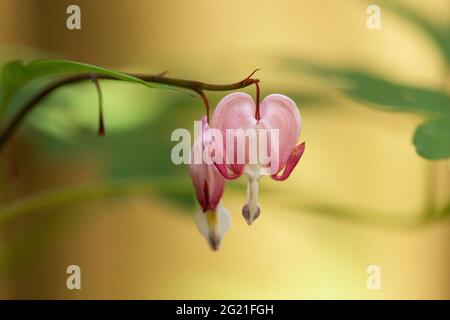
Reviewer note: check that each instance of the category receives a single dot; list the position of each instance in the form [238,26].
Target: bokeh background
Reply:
[121,210]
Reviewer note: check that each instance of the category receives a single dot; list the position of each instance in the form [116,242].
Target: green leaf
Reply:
[12,78]
[42,68]
[394,96]
[432,139]
[16,74]
[381,93]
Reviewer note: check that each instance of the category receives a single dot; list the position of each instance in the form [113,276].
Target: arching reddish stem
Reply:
[257,115]
[196,86]
[206,102]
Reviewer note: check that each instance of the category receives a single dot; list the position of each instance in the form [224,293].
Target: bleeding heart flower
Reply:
[276,112]
[213,221]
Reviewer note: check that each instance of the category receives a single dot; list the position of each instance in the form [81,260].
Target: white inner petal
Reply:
[253,173]
[213,225]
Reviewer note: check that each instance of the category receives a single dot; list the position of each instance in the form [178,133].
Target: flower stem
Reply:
[196,86]
[257,114]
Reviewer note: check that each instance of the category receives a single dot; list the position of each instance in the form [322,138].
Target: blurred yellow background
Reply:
[356,199]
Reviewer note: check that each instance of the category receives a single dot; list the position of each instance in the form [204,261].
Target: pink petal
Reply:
[280,112]
[223,169]
[234,111]
[208,182]
[292,161]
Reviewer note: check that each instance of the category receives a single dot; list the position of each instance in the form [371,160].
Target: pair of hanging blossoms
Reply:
[275,126]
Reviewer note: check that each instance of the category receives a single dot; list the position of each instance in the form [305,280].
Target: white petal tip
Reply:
[213,226]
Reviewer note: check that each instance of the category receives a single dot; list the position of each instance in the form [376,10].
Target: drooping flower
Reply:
[277,114]
[213,220]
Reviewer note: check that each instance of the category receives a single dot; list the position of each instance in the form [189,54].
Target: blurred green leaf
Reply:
[379,92]
[176,188]
[432,139]
[308,98]
[72,110]
[134,146]
[67,114]
[393,96]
